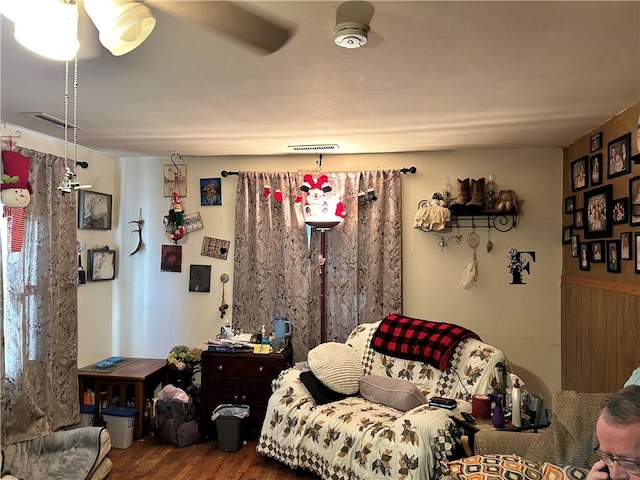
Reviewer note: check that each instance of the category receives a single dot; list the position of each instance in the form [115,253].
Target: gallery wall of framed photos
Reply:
[601,208]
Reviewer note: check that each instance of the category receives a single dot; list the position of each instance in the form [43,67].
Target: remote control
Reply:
[468,417]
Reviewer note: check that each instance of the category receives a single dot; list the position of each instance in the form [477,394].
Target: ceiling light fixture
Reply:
[123,25]
[351,34]
[48,28]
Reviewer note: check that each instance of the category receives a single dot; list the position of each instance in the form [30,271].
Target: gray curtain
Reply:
[39,312]
[276,258]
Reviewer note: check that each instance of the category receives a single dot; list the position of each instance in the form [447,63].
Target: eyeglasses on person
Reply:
[628,465]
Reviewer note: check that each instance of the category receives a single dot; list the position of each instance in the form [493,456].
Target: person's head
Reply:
[618,431]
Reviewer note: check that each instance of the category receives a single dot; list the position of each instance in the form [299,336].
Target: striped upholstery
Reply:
[337,366]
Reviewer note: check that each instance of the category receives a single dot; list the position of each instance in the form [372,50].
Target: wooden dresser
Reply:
[239,379]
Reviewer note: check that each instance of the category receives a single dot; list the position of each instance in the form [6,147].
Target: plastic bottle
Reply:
[515,408]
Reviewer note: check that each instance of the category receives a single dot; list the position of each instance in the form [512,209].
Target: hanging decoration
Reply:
[471,271]
[321,209]
[15,195]
[139,223]
[174,221]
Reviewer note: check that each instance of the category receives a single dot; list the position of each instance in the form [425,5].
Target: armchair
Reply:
[569,440]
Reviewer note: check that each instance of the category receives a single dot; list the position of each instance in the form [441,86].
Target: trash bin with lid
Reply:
[120,422]
[228,419]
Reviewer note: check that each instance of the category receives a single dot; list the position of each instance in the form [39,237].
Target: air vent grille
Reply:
[45,117]
[316,147]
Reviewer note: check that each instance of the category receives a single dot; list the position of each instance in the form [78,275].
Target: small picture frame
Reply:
[200,278]
[584,260]
[578,219]
[597,210]
[566,235]
[613,256]
[596,249]
[595,142]
[174,179]
[171,260]
[193,222]
[574,245]
[94,210]
[626,246]
[595,169]
[634,201]
[579,178]
[210,191]
[620,211]
[569,204]
[619,156]
[101,264]
[636,243]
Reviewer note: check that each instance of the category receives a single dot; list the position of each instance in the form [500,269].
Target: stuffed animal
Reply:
[319,204]
[507,201]
[175,219]
[15,195]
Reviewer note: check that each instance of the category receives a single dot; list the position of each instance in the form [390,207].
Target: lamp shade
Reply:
[48,28]
[123,25]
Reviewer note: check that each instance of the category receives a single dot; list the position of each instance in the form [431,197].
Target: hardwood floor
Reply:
[150,459]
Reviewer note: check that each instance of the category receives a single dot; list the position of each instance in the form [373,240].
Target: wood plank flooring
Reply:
[149,459]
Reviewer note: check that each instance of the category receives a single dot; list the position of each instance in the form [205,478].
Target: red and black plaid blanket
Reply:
[422,340]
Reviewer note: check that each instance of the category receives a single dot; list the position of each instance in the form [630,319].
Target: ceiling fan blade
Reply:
[231,20]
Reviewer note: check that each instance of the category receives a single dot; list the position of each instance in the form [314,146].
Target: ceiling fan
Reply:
[125,24]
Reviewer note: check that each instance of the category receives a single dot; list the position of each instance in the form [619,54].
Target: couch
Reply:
[358,438]
[76,454]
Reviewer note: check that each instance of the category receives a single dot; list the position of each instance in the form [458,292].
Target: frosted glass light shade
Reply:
[123,25]
[48,28]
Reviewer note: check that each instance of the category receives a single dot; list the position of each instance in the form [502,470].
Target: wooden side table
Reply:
[239,379]
[135,381]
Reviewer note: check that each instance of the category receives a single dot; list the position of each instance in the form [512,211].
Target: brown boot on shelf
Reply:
[477,195]
[460,202]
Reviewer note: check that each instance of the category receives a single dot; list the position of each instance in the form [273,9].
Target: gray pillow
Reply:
[397,393]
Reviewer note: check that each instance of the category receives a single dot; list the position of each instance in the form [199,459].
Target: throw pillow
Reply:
[320,393]
[337,365]
[490,467]
[397,393]
[554,472]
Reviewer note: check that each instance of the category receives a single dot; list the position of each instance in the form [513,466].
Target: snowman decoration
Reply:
[15,195]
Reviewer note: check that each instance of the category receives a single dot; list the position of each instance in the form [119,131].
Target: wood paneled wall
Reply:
[600,312]
[600,335]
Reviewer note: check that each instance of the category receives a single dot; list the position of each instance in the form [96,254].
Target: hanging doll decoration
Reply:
[15,195]
[321,209]
[175,220]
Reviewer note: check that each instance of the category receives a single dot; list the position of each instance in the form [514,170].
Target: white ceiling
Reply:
[434,76]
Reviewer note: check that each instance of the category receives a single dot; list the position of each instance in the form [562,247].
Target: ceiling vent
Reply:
[314,148]
[351,34]
[44,117]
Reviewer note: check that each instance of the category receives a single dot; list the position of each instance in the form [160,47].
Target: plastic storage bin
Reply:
[228,420]
[87,415]
[120,422]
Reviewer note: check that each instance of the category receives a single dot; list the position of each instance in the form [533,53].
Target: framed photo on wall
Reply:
[595,169]
[597,210]
[101,264]
[637,251]
[574,245]
[626,246]
[569,204]
[595,142]
[566,235]
[583,258]
[634,201]
[620,211]
[94,210]
[579,179]
[619,156]
[613,256]
[596,249]
[578,219]
[210,191]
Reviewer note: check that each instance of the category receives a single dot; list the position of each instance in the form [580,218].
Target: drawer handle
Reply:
[220,367]
[261,368]
[235,398]
[244,398]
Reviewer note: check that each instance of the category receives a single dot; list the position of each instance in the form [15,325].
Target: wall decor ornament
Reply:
[215,247]
[619,156]
[210,191]
[634,201]
[620,211]
[597,251]
[175,178]
[598,212]
[595,142]
[613,256]
[626,246]
[583,257]
[595,169]
[15,195]
[94,210]
[171,260]
[579,178]
[101,263]
[569,204]
[518,263]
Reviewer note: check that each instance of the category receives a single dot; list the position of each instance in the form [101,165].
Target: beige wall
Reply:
[144,312]
[156,310]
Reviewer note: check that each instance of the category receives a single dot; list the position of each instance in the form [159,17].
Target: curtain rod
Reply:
[405,170]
